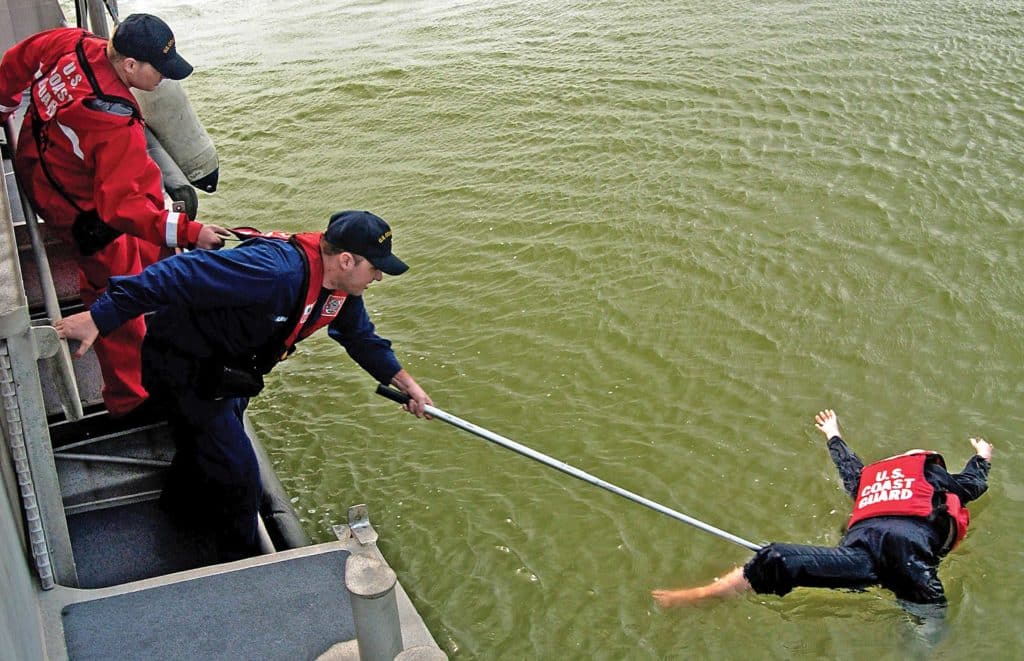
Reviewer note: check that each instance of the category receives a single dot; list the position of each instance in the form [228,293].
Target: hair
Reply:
[329,248]
[113,54]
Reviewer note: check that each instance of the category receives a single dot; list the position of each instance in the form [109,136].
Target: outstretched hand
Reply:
[983,448]
[79,327]
[212,237]
[827,423]
[418,398]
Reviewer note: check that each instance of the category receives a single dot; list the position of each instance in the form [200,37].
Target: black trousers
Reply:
[214,478]
[897,553]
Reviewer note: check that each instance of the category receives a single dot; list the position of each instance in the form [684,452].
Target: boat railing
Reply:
[93,15]
[66,383]
[24,416]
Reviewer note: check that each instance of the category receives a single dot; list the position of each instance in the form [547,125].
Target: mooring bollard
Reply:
[371,585]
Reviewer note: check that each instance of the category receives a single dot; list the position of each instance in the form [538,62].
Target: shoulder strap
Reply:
[274,350]
[114,104]
[121,104]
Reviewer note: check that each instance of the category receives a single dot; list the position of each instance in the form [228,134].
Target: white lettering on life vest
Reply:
[887,486]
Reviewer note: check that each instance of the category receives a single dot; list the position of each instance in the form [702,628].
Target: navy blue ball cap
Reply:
[366,235]
[148,39]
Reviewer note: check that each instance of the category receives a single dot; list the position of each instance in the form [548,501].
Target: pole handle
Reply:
[391,393]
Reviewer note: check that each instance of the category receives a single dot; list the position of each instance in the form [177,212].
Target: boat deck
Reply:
[289,605]
[131,581]
[109,545]
[272,611]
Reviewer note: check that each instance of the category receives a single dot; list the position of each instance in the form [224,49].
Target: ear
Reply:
[347,260]
[131,65]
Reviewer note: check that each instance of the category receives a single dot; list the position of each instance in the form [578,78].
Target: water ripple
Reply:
[652,244]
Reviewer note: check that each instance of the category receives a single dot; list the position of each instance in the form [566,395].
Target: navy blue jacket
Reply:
[230,303]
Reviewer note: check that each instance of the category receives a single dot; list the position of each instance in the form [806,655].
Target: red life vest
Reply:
[897,487]
[309,244]
[315,299]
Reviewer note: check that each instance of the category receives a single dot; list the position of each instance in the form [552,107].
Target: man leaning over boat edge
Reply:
[221,320]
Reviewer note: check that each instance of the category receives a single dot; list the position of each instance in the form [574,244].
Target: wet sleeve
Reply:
[847,463]
[353,330]
[972,482]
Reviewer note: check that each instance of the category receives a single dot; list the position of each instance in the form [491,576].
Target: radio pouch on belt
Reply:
[217,381]
[91,233]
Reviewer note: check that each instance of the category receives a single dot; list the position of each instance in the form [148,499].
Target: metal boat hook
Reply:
[402,398]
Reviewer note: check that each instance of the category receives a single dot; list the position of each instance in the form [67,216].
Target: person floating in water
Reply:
[908,513]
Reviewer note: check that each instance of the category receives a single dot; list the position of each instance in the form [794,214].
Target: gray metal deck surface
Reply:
[276,611]
[122,544]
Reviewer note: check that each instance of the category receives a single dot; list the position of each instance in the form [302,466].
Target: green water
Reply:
[650,239]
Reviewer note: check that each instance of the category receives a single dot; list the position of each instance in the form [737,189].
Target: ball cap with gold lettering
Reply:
[366,235]
[148,39]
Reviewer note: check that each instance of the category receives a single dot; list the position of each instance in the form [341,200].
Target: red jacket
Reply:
[92,139]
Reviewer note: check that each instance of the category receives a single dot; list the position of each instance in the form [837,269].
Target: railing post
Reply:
[371,585]
[66,382]
[24,416]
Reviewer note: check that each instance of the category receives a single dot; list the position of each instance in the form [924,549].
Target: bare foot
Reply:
[674,598]
[729,585]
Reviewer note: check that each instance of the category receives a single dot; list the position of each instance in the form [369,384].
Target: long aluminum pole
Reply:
[509,444]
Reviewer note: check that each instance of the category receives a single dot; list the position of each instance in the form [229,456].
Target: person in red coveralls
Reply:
[82,160]
[908,513]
